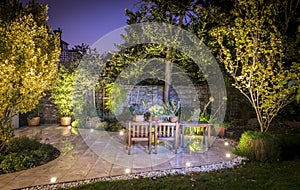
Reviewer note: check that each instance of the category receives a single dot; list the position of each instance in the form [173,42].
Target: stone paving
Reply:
[89,153]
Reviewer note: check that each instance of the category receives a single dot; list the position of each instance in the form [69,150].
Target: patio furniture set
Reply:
[153,132]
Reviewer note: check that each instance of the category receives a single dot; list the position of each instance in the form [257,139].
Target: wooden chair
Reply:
[138,131]
[166,131]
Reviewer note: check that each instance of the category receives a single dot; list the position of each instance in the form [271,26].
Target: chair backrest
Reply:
[166,130]
[139,129]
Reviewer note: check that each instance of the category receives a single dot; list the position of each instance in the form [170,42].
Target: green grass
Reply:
[249,175]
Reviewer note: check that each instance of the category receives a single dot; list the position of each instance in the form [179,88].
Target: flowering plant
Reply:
[156,110]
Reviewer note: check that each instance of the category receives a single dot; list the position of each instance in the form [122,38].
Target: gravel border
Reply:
[152,174]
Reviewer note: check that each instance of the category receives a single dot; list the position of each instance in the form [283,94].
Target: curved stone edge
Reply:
[151,174]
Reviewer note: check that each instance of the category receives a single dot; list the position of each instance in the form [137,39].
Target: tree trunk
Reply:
[168,80]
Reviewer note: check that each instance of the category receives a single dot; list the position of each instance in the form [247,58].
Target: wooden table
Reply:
[205,126]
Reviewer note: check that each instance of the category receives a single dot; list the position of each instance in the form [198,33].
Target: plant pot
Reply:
[155,118]
[173,119]
[221,131]
[33,121]
[138,118]
[65,121]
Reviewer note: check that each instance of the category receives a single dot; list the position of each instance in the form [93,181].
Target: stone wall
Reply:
[187,96]
[151,94]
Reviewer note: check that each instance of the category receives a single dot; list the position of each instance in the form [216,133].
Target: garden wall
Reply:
[154,95]
[151,94]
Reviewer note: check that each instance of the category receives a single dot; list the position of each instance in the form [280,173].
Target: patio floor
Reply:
[92,154]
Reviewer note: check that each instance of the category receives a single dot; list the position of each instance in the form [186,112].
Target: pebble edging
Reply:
[152,174]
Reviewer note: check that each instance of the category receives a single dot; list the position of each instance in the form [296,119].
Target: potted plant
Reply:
[221,129]
[156,111]
[62,95]
[33,118]
[138,111]
[172,110]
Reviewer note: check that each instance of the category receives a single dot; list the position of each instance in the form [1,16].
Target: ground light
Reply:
[188,164]
[53,179]
[226,143]
[228,155]
[127,171]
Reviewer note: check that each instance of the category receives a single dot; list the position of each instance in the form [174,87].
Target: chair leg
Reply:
[129,144]
[149,146]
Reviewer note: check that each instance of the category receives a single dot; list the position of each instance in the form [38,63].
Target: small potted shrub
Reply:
[172,110]
[62,95]
[221,129]
[156,111]
[138,111]
[33,118]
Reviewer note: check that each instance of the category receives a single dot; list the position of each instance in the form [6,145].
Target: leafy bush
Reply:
[259,146]
[23,153]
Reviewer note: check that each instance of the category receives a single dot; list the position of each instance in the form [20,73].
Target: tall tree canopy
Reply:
[178,13]
[29,56]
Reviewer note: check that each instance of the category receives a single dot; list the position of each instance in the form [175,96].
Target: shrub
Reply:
[259,146]
[23,153]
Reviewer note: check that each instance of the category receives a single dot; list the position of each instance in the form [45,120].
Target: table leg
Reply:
[208,135]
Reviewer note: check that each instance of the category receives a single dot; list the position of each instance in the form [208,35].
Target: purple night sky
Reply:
[86,21]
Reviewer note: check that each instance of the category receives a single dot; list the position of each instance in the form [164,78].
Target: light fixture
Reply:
[188,164]
[53,179]
[226,143]
[69,127]
[92,130]
[127,170]
[121,133]
[227,155]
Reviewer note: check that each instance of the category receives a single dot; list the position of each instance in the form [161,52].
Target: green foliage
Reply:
[86,83]
[116,96]
[156,110]
[23,153]
[171,108]
[62,92]
[259,146]
[252,50]
[29,54]
[34,113]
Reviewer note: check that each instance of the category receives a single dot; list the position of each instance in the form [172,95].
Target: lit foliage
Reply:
[62,92]
[252,51]
[29,55]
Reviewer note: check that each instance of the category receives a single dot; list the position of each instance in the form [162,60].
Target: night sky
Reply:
[86,21]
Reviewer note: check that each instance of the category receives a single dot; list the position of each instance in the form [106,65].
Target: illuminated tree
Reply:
[252,49]
[29,55]
[178,13]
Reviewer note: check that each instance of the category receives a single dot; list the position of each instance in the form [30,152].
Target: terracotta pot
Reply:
[173,119]
[65,121]
[155,118]
[138,118]
[221,131]
[33,121]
